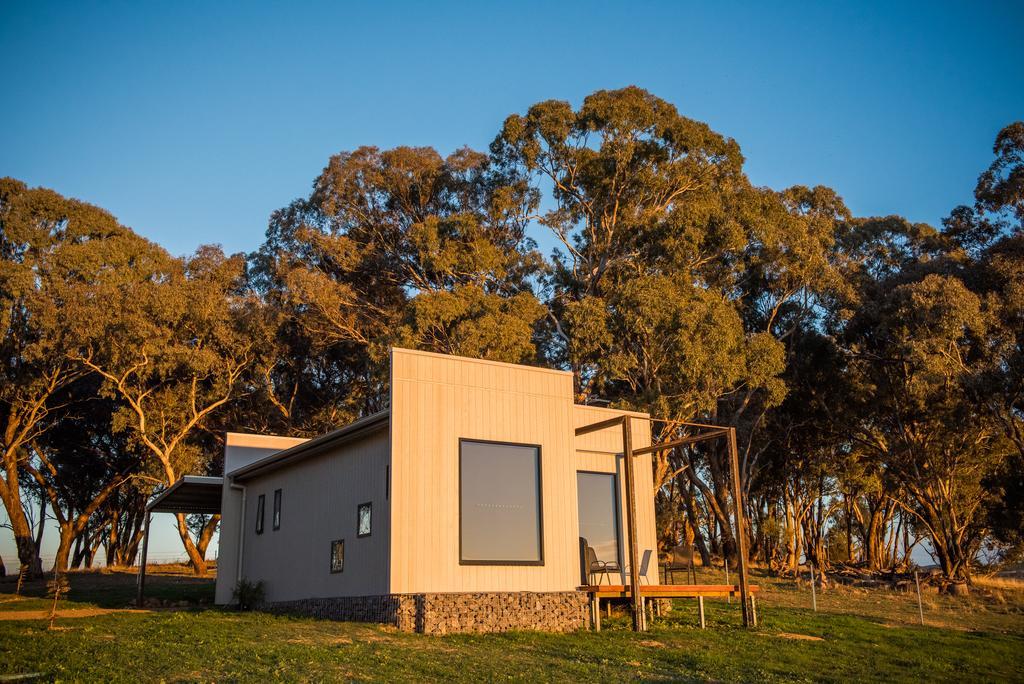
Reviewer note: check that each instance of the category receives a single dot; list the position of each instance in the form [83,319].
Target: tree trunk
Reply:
[42,524]
[67,535]
[28,554]
[76,553]
[689,496]
[195,558]
[207,534]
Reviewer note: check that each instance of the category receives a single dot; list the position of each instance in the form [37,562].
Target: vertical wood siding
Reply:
[438,399]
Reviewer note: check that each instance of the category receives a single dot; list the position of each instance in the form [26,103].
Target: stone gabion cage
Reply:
[449,613]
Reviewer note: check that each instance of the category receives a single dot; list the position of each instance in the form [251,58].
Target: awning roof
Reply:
[190,494]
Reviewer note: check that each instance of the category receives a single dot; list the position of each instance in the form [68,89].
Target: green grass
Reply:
[204,644]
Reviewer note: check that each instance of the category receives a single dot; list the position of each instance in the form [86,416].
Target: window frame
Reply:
[276,517]
[540,504]
[261,509]
[334,543]
[369,505]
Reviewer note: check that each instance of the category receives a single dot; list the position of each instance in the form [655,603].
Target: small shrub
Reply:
[248,594]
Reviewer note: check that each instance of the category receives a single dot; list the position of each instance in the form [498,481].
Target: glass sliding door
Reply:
[598,503]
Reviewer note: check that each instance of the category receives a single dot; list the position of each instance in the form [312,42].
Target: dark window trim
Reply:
[370,505]
[277,509]
[540,504]
[331,559]
[261,507]
[619,541]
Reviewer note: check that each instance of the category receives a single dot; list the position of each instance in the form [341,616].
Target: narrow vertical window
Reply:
[337,555]
[363,519]
[277,509]
[260,506]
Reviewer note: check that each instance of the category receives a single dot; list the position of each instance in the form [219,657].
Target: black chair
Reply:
[599,567]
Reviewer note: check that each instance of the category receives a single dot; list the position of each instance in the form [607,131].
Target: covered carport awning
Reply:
[192,494]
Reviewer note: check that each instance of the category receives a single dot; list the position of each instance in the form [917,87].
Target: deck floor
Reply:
[666,590]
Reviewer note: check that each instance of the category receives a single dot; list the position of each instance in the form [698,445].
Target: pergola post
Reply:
[140,597]
[639,614]
[741,533]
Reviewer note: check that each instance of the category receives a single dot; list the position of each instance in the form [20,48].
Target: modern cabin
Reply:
[470,504]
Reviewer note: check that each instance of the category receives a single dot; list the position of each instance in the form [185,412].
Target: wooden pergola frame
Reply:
[628,453]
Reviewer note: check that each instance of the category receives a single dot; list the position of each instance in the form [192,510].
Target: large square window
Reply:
[500,504]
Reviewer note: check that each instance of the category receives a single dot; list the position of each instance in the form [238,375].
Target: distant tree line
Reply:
[873,367]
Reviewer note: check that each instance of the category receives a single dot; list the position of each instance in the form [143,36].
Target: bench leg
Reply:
[753,610]
[700,611]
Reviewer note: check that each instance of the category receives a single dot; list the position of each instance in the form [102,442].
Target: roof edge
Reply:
[311,447]
[486,362]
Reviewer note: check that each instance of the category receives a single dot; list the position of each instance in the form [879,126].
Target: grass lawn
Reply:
[855,636]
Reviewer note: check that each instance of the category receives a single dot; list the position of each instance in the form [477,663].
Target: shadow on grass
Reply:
[117,589]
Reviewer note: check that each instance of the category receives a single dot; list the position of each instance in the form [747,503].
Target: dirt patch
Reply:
[651,644]
[68,613]
[797,637]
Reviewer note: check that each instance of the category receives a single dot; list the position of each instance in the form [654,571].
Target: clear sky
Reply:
[192,121]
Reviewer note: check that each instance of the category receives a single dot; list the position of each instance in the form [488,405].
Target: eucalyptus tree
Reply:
[44,239]
[171,339]
[79,462]
[397,246]
[908,350]
[673,273]
[991,232]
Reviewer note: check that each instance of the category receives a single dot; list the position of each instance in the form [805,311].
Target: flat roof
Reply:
[190,494]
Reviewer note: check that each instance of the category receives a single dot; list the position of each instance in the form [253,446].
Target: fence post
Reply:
[814,593]
[728,597]
[920,608]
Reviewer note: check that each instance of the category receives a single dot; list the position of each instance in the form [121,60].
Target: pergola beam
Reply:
[682,441]
[603,425]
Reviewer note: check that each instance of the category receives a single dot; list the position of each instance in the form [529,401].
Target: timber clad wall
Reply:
[438,399]
[320,495]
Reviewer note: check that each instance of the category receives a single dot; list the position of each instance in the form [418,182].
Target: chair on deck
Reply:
[645,566]
[677,562]
[597,567]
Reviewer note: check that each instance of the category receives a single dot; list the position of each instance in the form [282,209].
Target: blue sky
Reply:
[191,122]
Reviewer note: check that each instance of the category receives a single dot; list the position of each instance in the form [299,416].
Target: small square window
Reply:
[363,519]
[337,555]
[260,506]
[277,509]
